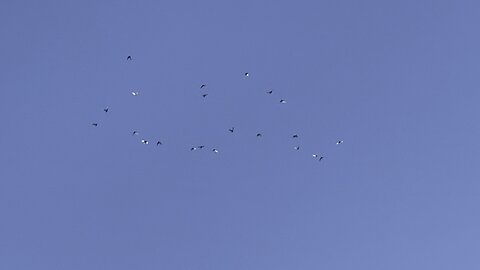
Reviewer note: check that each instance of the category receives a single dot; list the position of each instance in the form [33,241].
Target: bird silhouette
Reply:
[259,134]
[231,129]
[202,86]
[215,150]
[246,74]
[135,132]
[283,101]
[295,136]
[204,95]
[269,92]
[134,93]
[159,143]
[296,147]
[95,124]
[129,57]
[339,142]
[106,109]
[144,141]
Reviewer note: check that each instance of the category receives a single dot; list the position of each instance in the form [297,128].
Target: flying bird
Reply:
[202,86]
[204,95]
[135,132]
[320,159]
[295,136]
[159,143]
[231,129]
[339,142]
[144,141]
[316,156]
[296,147]
[201,146]
[193,148]
[283,101]
[106,109]
[246,74]
[135,93]
[129,57]
[269,92]
[215,150]
[259,134]
[95,124]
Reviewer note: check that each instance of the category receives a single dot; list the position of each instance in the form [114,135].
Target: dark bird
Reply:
[144,141]
[295,136]
[95,124]
[246,74]
[204,95]
[135,132]
[129,57]
[316,156]
[201,146]
[259,134]
[283,101]
[339,142]
[320,159]
[193,148]
[296,147]
[202,86]
[215,150]
[269,92]
[106,109]
[231,129]
[159,143]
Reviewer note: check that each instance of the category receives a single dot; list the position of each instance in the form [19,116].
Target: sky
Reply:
[397,81]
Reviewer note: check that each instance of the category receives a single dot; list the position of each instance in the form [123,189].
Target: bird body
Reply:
[339,142]
[283,101]
[231,129]
[144,141]
[202,86]
[134,93]
[269,92]
[95,124]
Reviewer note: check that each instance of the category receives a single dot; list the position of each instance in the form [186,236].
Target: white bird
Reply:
[144,141]
[135,93]
[215,150]
[246,74]
[193,148]
[283,101]
[339,142]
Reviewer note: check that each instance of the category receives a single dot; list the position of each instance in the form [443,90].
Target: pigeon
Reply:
[246,74]
[135,132]
[202,86]
[295,136]
[159,143]
[204,95]
[339,142]
[106,109]
[215,150]
[231,129]
[135,93]
[296,147]
[269,92]
[283,101]
[129,57]
[144,141]
[95,124]
[259,134]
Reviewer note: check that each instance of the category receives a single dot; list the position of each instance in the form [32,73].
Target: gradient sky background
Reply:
[396,80]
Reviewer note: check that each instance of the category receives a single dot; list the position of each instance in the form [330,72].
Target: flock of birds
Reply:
[231,130]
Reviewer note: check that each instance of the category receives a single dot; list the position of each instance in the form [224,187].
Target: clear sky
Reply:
[396,80]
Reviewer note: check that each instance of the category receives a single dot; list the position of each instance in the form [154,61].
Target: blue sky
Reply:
[396,80]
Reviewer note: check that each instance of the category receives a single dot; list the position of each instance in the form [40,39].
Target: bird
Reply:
[339,142]
[215,150]
[246,74]
[320,159]
[144,141]
[135,93]
[202,86]
[129,57]
[269,92]
[193,148]
[316,156]
[231,129]
[201,146]
[283,101]
[95,124]
[296,147]
[135,132]
[259,134]
[295,136]
[159,143]
[204,95]
[106,109]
